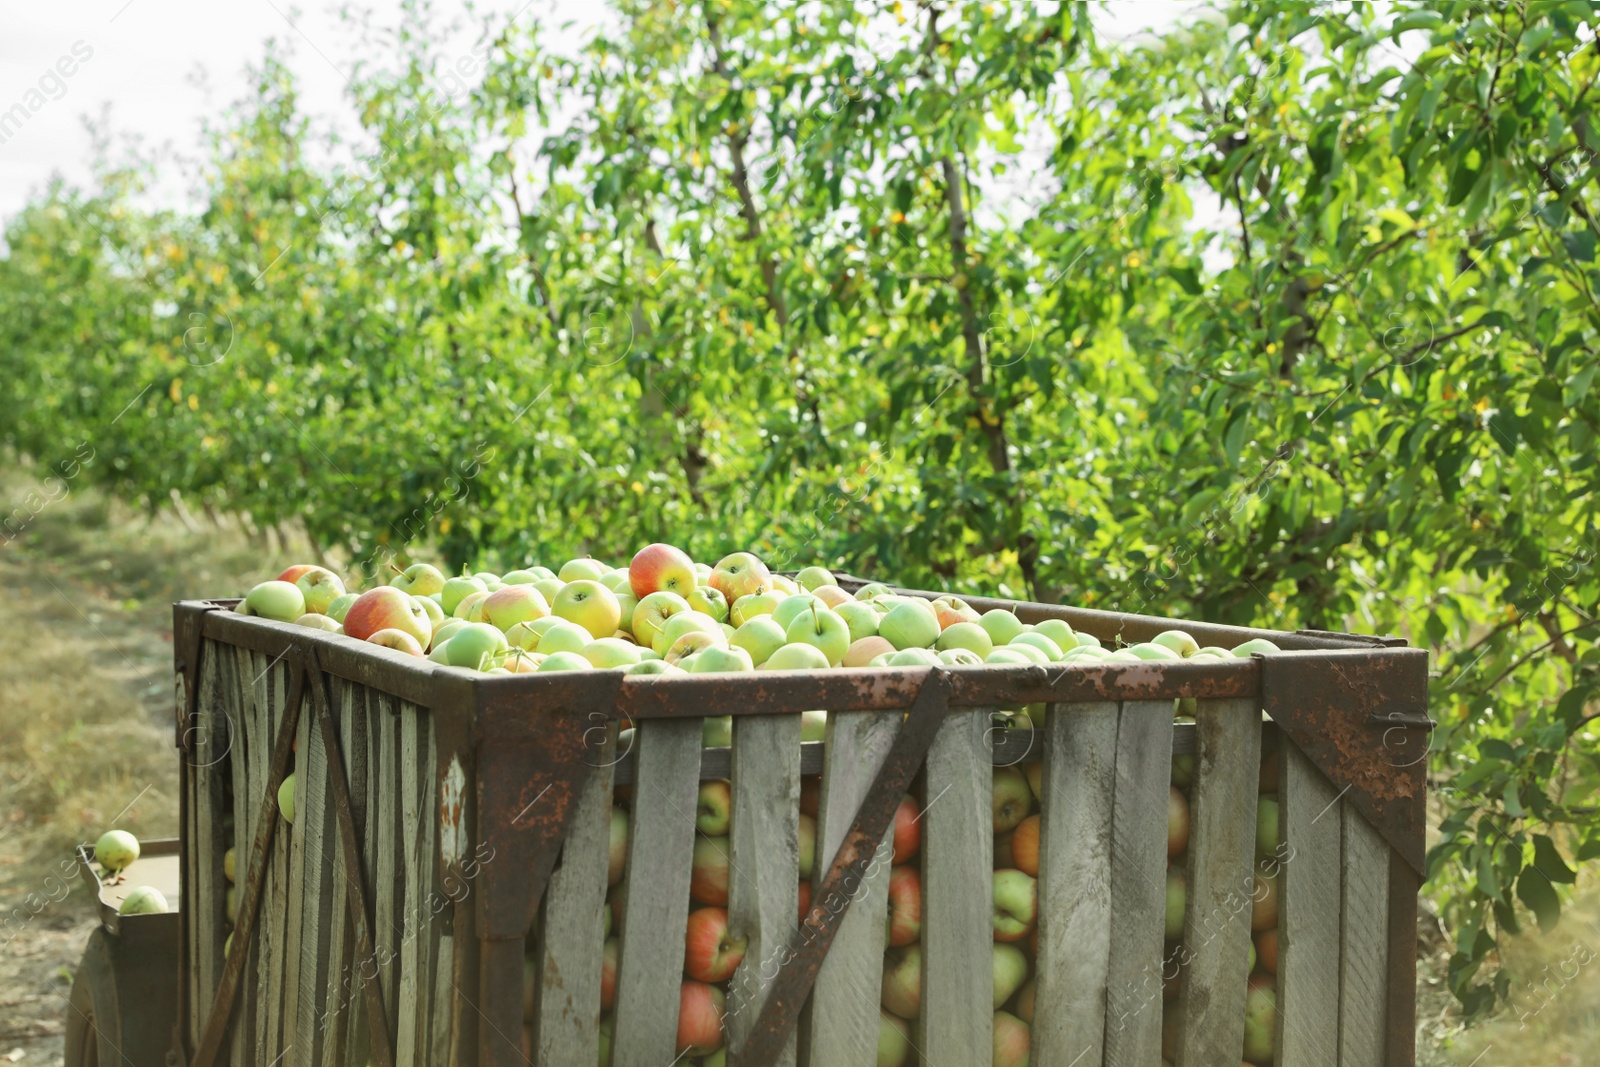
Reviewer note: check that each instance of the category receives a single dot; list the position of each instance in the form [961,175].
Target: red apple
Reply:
[1025,846]
[1012,1039]
[1024,1004]
[740,574]
[831,595]
[700,1010]
[387,608]
[1177,822]
[905,907]
[398,640]
[292,574]
[907,829]
[619,845]
[901,993]
[657,567]
[810,796]
[1012,798]
[1264,903]
[711,952]
[862,650]
[1267,950]
[511,604]
[608,973]
[950,610]
[1016,903]
[712,808]
[708,880]
[805,899]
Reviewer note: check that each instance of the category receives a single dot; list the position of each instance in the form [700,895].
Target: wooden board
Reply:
[413,978]
[566,993]
[1138,883]
[660,846]
[318,833]
[1364,942]
[1221,863]
[294,877]
[1078,786]
[957,1020]
[841,1028]
[335,1014]
[1309,892]
[764,898]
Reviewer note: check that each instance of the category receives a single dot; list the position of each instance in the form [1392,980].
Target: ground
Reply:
[86,742]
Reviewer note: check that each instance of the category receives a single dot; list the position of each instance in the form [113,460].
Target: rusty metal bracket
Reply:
[216,1027]
[815,935]
[1361,716]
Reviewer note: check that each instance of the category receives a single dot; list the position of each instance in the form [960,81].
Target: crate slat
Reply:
[335,1014]
[841,1023]
[388,892]
[764,898]
[957,1020]
[566,993]
[1222,843]
[433,1024]
[1308,915]
[320,884]
[364,800]
[221,665]
[413,982]
[1364,941]
[1138,883]
[274,904]
[1078,783]
[660,844]
[294,888]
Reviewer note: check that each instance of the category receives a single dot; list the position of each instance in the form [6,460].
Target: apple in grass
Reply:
[1010,971]
[901,991]
[1260,1018]
[511,604]
[653,612]
[910,624]
[752,605]
[711,952]
[820,627]
[660,567]
[1012,798]
[760,637]
[1013,1040]
[398,640]
[387,608]
[1016,904]
[280,601]
[862,651]
[700,1011]
[907,830]
[590,605]
[904,925]
[116,850]
[739,574]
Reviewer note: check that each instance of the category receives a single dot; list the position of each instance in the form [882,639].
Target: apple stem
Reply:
[396,569]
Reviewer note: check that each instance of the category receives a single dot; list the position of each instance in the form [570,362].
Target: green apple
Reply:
[456,589]
[797,657]
[590,605]
[1146,650]
[617,581]
[491,581]
[1177,899]
[1001,625]
[1083,652]
[549,587]
[511,604]
[1038,640]
[811,577]
[440,652]
[792,607]
[565,661]
[526,635]
[610,652]
[320,587]
[1008,656]
[1260,1019]
[430,607]
[822,628]
[286,798]
[813,726]
[648,653]
[686,622]
[950,610]
[760,637]
[563,637]
[880,660]
[738,574]
[914,657]
[144,900]
[467,606]
[708,601]
[1213,650]
[419,579]
[702,574]
[1183,770]
[280,601]
[626,602]
[1034,655]
[1254,645]
[1266,827]
[523,577]
[716,731]
[965,635]
[894,1041]
[751,605]
[1122,655]
[861,653]
[652,614]
[872,589]
[718,660]
[340,605]
[1087,640]
[1177,641]
[960,657]
[861,619]
[1058,631]
[690,644]
[1016,903]
[1010,971]
[116,850]
[582,569]
[653,666]
[319,622]
[476,645]
[910,624]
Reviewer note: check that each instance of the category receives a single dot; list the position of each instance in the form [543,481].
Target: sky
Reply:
[155,70]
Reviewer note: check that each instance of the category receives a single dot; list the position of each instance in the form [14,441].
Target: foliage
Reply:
[1287,316]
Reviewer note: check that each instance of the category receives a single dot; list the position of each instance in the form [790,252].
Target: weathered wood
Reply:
[957,819]
[334,1016]
[1221,860]
[366,808]
[413,980]
[208,768]
[1138,884]
[1364,942]
[321,893]
[660,846]
[220,663]
[1404,884]
[840,1027]
[566,993]
[294,883]
[764,899]
[1078,783]
[274,904]
[388,889]
[1309,884]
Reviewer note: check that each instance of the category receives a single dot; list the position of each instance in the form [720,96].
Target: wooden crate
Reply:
[479,811]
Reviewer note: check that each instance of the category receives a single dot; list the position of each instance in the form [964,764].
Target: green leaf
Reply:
[1547,858]
[1535,891]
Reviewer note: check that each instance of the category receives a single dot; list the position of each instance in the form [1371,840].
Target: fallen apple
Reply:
[143,900]
[116,850]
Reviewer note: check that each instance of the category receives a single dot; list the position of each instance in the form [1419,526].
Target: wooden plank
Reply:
[232,707]
[764,900]
[294,886]
[1078,783]
[320,888]
[660,844]
[1222,845]
[840,1026]
[566,993]
[957,1020]
[1138,883]
[433,1026]
[440,1034]
[388,890]
[413,980]
[1363,942]
[335,1013]
[366,784]
[273,901]
[207,912]
[1308,913]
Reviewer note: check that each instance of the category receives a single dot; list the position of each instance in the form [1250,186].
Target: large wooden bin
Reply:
[443,815]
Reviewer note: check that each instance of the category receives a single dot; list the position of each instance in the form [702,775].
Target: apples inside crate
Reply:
[1073,863]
